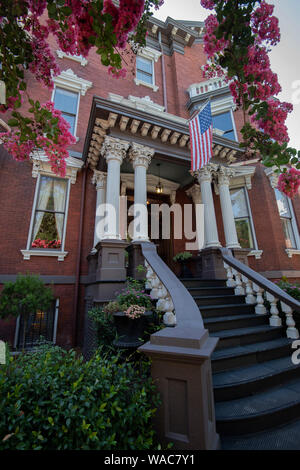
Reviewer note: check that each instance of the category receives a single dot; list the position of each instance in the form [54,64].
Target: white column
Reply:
[114,151]
[211,230]
[123,210]
[141,158]
[99,180]
[195,193]
[224,175]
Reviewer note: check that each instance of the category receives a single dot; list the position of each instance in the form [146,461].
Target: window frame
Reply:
[59,253]
[152,55]
[214,114]
[255,250]
[146,73]
[294,226]
[55,323]
[60,87]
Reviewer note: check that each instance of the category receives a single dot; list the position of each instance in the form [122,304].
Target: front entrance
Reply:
[164,246]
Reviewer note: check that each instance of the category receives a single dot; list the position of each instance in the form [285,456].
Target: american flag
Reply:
[201,137]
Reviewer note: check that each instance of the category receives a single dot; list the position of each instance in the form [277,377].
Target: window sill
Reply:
[60,255]
[149,85]
[256,253]
[292,251]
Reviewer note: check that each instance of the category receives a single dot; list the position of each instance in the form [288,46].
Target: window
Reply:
[67,102]
[224,122]
[38,328]
[144,70]
[145,74]
[242,218]
[50,211]
[286,215]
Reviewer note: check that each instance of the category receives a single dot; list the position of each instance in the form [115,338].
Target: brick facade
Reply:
[17,188]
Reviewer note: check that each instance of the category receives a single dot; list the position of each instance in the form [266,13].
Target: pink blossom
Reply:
[289,182]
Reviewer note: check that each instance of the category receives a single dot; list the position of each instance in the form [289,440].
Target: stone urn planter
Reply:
[130,331]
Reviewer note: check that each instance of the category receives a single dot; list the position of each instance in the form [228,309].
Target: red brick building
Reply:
[142,122]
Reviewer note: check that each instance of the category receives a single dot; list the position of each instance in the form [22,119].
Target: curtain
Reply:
[59,195]
[46,185]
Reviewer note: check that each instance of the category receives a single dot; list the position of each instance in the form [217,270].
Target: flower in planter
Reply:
[134,296]
[135,311]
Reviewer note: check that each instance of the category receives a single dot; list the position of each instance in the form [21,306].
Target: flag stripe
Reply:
[201,138]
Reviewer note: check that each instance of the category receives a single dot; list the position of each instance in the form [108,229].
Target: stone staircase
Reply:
[256,385]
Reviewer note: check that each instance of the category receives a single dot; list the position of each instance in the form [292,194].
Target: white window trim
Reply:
[273,178]
[254,251]
[54,325]
[220,110]
[153,55]
[69,81]
[42,167]
[77,58]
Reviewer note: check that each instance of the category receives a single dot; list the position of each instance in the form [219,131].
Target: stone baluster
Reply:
[230,280]
[250,297]
[159,292]
[260,309]
[291,331]
[275,319]
[239,290]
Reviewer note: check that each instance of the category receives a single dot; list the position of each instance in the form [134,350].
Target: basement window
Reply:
[37,329]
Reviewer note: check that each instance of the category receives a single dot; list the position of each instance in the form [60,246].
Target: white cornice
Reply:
[77,58]
[69,80]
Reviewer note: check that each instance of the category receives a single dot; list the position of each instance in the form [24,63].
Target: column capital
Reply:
[206,173]
[114,149]
[224,174]
[195,193]
[140,155]
[98,179]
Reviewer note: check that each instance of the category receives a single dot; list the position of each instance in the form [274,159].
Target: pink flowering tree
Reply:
[238,38]
[77,26]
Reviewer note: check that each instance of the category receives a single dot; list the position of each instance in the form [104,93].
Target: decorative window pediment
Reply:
[77,58]
[69,80]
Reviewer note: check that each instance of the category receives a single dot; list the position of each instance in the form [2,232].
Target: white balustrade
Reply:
[275,319]
[250,297]
[260,309]
[160,293]
[291,331]
[239,290]
[230,281]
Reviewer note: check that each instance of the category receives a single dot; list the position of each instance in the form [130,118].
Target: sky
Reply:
[285,57]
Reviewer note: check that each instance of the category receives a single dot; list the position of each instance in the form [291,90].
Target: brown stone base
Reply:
[212,264]
[111,260]
[241,254]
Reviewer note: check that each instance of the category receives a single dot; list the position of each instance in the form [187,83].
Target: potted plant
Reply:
[182,259]
[131,311]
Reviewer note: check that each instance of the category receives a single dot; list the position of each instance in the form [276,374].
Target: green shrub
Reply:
[183,256]
[52,400]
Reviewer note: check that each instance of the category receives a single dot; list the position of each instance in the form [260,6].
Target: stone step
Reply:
[235,321]
[196,282]
[208,311]
[244,381]
[249,354]
[211,290]
[242,336]
[203,300]
[261,411]
[284,437]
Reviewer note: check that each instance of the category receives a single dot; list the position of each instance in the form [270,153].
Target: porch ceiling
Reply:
[166,133]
